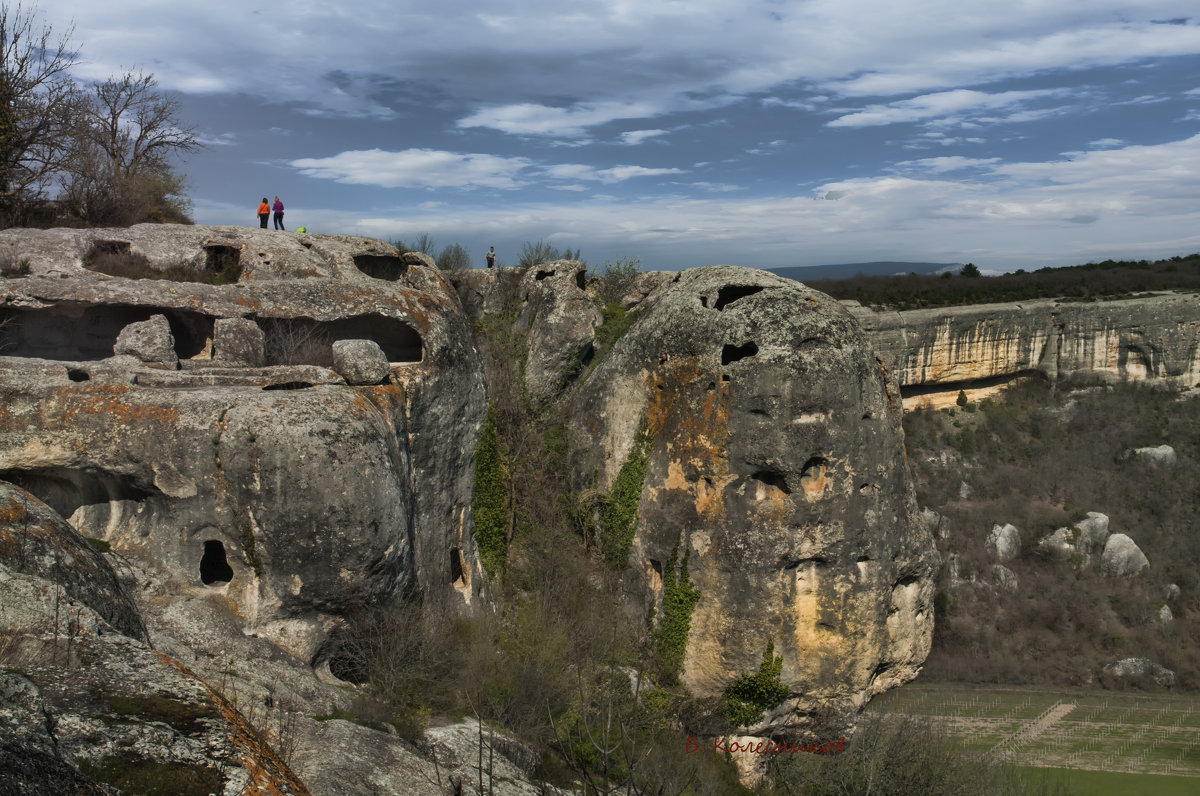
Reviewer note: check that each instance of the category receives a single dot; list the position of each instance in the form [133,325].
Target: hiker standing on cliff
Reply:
[491,256]
[278,208]
[264,213]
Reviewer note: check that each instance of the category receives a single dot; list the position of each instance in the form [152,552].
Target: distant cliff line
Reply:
[931,352]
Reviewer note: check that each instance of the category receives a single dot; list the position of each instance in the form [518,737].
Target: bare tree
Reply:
[120,167]
[38,105]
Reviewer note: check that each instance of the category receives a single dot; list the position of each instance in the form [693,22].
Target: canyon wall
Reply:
[930,353]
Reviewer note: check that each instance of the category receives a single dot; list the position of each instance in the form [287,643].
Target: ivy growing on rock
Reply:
[679,599]
[750,694]
[487,503]
[618,511]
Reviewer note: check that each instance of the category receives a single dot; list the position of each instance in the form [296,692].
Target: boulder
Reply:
[775,470]
[1161,455]
[1141,667]
[1059,545]
[1093,533]
[360,361]
[1004,542]
[1171,592]
[150,341]
[238,342]
[1165,616]
[1004,578]
[1122,557]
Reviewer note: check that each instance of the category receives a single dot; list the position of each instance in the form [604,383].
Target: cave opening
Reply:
[214,566]
[456,567]
[76,332]
[733,353]
[388,267]
[731,293]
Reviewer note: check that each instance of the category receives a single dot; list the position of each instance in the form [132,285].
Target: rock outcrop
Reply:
[278,488]
[1004,542]
[776,470]
[935,352]
[1122,557]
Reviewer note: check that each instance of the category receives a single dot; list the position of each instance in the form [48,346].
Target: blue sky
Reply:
[765,133]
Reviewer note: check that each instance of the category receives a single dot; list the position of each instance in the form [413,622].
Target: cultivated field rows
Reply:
[1082,729]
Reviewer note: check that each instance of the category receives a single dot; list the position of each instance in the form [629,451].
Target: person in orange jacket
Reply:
[264,213]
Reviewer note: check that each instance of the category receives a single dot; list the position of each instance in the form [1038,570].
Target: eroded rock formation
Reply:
[292,495]
[777,466]
[940,351]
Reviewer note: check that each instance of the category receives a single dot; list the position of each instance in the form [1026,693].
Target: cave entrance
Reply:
[456,567]
[214,567]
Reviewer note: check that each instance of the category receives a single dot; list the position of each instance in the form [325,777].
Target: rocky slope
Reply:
[939,351]
[776,466]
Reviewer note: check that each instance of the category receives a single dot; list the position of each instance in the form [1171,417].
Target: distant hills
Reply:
[847,270]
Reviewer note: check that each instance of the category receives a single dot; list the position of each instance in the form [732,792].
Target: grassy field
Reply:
[1077,729]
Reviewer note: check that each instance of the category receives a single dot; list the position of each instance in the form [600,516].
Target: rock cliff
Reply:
[939,351]
[774,468]
[221,448]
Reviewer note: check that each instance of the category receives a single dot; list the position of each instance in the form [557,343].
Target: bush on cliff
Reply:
[487,503]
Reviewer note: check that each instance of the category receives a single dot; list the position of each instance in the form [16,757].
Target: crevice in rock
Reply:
[456,567]
[67,489]
[581,280]
[75,374]
[812,477]
[731,293]
[932,388]
[734,353]
[540,275]
[225,260]
[289,385]
[388,267]
[214,566]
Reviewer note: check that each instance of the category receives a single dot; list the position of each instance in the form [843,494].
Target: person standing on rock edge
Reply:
[491,256]
[264,213]
[278,209]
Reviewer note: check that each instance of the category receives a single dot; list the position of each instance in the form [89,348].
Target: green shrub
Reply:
[619,510]
[679,599]
[750,694]
[454,258]
[487,502]
[618,278]
[133,774]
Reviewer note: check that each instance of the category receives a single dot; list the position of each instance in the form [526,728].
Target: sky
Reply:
[765,133]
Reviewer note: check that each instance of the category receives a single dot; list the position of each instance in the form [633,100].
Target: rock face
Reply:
[947,349]
[1141,667]
[777,467]
[1122,557]
[1160,455]
[1004,542]
[293,496]
[560,319]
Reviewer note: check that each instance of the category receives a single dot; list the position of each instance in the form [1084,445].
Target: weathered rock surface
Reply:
[1160,455]
[777,467]
[1004,578]
[238,342]
[1122,557]
[1059,545]
[36,541]
[149,341]
[295,497]
[1141,667]
[1004,542]
[1093,533]
[360,361]
[81,703]
[946,349]
[560,319]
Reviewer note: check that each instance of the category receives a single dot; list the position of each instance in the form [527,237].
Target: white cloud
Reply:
[1136,201]
[1105,143]
[946,108]
[603,61]
[416,168]
[635,137]
[945,164]
[579,171]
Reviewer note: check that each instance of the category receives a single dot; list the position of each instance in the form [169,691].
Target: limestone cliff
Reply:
[947,349]
[221,449]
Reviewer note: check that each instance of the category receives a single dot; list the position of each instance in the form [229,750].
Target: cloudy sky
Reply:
[758,132]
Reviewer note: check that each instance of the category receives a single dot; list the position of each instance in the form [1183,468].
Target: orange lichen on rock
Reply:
[106,399]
